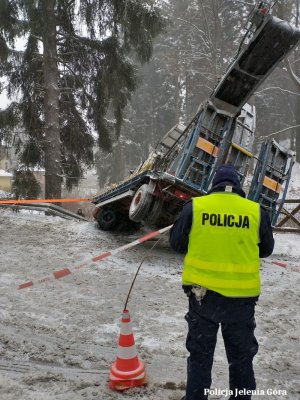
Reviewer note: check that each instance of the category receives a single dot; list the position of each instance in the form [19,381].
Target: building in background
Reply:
[5,169]
[5,181]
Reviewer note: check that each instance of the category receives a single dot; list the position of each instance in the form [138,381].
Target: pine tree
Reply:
[75,75]
[25,185]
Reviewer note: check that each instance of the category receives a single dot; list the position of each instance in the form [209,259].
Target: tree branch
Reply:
[277,88]
[275,133]
[291,73]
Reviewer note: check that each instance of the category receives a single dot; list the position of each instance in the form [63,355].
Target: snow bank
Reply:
[287,244]
[5,173]
[59,339]
[5,195]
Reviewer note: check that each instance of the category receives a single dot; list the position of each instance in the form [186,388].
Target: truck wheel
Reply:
[154,213]
[140,204]
[107,219]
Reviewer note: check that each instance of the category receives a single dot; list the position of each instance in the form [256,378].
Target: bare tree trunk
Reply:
[297,133]
[297,130]
[52,131]
[118,162]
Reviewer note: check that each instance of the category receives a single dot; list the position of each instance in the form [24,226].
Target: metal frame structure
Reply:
[271,177]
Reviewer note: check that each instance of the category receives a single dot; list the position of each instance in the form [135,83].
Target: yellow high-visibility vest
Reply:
[223,253]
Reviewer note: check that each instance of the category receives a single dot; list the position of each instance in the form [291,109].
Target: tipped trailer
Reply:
[184,162]
[155,192]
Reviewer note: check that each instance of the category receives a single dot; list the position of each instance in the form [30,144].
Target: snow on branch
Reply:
[291,73]
[278,88]
[275,133]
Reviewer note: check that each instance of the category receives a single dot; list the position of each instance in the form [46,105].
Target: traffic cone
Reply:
[128,370]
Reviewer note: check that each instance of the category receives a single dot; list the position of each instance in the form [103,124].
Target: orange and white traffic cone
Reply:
[128,370]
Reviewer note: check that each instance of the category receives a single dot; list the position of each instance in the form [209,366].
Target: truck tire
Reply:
[140,204]
[107,219]
[154,214]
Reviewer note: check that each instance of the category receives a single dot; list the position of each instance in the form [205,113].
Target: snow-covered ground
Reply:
[4,195]
[59,339]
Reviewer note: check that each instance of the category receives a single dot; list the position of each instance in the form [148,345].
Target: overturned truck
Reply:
[184,162]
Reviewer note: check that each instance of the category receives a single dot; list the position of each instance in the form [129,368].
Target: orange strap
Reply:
[272,184]
[207,146]
[43,201]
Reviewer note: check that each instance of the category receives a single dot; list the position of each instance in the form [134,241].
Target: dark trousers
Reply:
[236,316]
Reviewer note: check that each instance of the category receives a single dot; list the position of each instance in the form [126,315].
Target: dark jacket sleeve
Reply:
[179,235]
[266,244]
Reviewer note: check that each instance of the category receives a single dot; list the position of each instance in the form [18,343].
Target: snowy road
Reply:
[59,339]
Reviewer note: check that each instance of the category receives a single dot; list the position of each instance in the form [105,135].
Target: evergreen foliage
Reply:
[25,185]
[75,75]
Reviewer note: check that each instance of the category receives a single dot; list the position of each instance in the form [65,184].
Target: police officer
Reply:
[223,236]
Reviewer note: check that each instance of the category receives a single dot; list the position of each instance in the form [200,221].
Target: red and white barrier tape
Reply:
[67,271]
[282,265]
